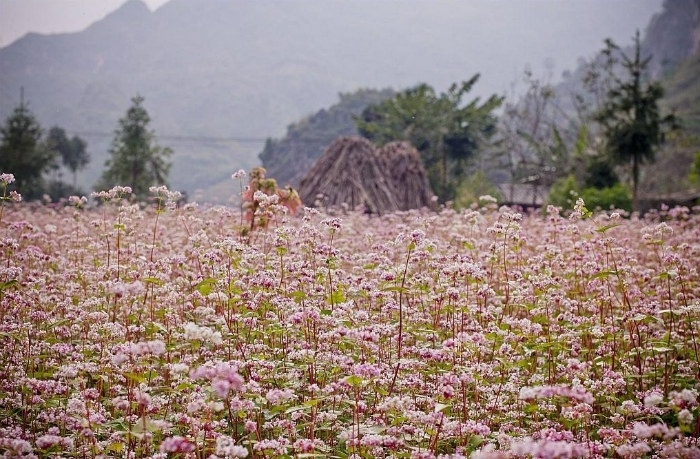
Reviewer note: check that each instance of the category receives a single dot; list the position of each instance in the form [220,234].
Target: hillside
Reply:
[289,159]
[673,35]
[671,39]
[683,92]
[220,76]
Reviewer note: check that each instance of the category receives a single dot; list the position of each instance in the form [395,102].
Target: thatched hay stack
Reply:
[403,165]
[349,173]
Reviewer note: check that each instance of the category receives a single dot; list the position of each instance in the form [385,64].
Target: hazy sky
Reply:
[18,17]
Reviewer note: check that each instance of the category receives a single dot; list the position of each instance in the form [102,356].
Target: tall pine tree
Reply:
[22,152]
[136,160]
[632,123]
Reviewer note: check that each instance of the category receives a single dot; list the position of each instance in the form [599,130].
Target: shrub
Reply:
[613,197]
[565,192]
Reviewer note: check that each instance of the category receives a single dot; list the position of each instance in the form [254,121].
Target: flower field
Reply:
[162,332]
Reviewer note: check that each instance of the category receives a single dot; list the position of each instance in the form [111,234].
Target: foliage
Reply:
[58,190]
[686,145]
[139,332]
[616,196]
[630,115]
[446,130]
[531,136]
[136,160]
[7,195]
[473,188]
[565,192]
[23,153]
[600,173]
[695,170]
[72,151]
[289,159]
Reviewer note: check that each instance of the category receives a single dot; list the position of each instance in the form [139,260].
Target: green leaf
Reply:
[439,407]
[603,229]
[136,377]
[294,409]
[374,429]
[144,425]
[312,402]
[338,296]
[604,274]
[116,447]
[10,283]
[353,380]
[205,285]
[298,296]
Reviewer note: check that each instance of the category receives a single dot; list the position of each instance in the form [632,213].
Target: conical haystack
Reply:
[405,169]
[349,173]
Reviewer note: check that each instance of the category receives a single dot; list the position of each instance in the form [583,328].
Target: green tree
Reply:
[447,131]
[22,152]
[136,160]
[72,151]
[473,188]
[630,116]
[565,191]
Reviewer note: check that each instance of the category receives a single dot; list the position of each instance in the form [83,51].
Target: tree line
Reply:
[595,147]
[38,159]
[578,150]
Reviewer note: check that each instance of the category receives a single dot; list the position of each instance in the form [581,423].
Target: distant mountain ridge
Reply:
[219,76]
[672,38]
[673,35]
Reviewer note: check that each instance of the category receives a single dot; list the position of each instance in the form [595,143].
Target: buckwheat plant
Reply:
[158,332]
[263,200]
[5,181]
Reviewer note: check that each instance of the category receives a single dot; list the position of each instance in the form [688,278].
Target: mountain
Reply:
[673,35]
[220,76]
[673,39]
[290,158]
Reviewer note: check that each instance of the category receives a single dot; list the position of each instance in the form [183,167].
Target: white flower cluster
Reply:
[204,334]
[116,192]
[77,201]
[6,179]
[161,193]
[238,174]
[226,447]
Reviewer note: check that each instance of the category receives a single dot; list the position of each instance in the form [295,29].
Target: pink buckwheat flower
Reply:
[176,444]
[226,447]
[6,179]
[277,396]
